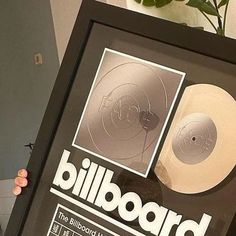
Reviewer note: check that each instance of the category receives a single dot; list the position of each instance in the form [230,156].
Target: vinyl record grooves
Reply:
[126,110]
[122,96]
[199,151]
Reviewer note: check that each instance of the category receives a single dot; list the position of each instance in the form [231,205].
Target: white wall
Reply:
[64,13]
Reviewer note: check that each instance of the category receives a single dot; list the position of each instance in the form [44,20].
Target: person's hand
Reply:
[20,182]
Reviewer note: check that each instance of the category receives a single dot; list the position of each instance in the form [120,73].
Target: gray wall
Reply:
[26,28]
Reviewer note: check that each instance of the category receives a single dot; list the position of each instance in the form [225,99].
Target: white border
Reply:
[80,216]
[163,128]
[95,212]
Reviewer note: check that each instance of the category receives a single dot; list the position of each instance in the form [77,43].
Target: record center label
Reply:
[93,183]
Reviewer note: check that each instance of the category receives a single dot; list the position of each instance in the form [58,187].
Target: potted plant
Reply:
[210,14]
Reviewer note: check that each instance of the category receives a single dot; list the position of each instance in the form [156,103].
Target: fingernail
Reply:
[17,190]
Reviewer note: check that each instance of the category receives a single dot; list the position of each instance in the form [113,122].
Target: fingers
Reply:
[23,173]
[21,182]
[17,190]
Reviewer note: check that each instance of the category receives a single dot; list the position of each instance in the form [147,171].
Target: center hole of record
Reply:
[189,233]
[129,206]
[66,175]
[150,216]
[194,139]
[109,196]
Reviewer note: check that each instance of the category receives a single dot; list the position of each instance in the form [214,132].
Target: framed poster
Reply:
[139,134]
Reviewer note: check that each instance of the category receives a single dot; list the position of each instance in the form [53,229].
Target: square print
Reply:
[127,110]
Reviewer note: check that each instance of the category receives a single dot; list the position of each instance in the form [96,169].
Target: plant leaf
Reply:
[222,3]
[195,3]
[209,9]
[149,3]
[162,3]
[204,6]
[210,4]
[138,1]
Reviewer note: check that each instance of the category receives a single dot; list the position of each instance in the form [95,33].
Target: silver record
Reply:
[194,138]
[113,113]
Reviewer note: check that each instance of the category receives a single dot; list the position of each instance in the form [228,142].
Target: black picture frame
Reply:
[91,12]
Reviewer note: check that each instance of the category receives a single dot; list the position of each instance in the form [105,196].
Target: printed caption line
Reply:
[95,212]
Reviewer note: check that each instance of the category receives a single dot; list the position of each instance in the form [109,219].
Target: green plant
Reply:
[206,7]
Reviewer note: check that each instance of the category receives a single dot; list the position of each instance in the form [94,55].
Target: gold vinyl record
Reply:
[200,149]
